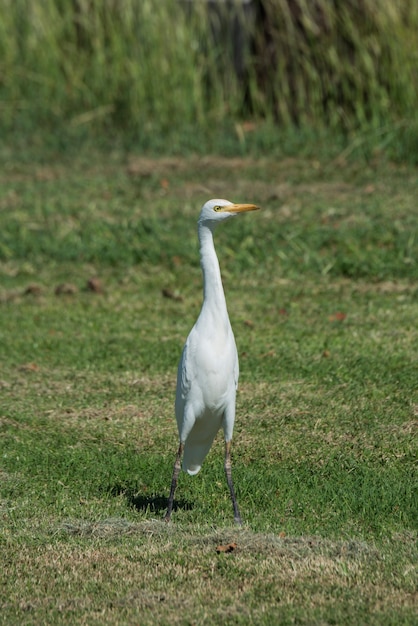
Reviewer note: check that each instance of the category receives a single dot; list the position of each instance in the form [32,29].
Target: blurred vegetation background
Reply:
[205,75]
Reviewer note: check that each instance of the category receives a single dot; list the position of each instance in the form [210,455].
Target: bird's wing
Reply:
[186,374]
[236,368]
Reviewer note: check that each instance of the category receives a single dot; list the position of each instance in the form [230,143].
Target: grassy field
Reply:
[100,284]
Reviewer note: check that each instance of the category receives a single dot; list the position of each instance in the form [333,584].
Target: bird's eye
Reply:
[217,208]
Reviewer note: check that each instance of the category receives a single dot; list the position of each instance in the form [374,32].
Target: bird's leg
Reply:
[237,516]
[176,471]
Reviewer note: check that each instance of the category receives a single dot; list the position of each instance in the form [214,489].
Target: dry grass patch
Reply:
[172,573]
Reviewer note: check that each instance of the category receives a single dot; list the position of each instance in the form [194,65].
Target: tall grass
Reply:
[155,68]
[97,63]
[339,63]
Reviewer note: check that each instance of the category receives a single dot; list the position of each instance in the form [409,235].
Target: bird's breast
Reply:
[215,360]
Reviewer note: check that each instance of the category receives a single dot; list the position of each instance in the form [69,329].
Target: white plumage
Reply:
[208,371]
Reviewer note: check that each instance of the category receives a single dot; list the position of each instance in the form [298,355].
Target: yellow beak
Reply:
[239,208]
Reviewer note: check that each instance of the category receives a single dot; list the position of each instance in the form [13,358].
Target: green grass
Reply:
[157,76]
[322,292]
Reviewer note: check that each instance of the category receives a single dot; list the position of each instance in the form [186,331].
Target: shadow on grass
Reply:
[154,504]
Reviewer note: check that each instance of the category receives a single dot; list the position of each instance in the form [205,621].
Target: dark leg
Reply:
[237,516]
[176,472]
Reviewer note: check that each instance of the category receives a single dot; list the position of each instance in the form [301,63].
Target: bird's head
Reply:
[217,210]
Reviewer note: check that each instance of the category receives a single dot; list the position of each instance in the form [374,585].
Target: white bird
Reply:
[208,371]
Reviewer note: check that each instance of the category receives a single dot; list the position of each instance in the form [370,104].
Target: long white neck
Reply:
[213,293]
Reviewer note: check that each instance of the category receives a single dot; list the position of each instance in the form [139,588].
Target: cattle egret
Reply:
[208,371]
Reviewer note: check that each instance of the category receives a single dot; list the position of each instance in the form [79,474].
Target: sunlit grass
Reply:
[321,288]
